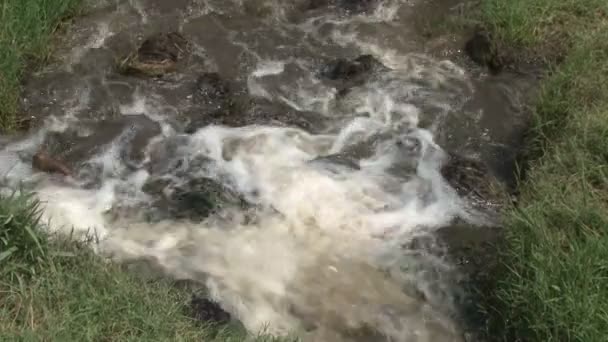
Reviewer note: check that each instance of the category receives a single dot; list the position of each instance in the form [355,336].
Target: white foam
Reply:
[323,237]
[322,232]
[264,69]
[74,210]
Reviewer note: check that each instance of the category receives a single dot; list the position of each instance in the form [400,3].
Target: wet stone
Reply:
[207,311]
[343,69]
[194,200]
[357,6]
[258,8]
[349,6]
[217,101]
[213,102]
[345,74]
[157,55]
[42,161]
[472,180]
[77,145]
[211,90]
[240,110]
[267,112]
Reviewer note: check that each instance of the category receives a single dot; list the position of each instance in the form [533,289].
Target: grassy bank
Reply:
[555,281]
[25,28]
[52,289]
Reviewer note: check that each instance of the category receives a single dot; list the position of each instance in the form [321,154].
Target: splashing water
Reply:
[320,248]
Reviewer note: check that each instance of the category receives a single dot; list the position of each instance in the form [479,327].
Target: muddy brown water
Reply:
[271,63]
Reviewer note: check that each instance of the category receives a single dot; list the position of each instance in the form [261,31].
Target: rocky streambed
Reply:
[324,167]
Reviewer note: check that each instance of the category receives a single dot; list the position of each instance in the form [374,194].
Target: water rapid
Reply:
[289,185]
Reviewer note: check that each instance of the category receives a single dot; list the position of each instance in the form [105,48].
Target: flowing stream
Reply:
[290,176]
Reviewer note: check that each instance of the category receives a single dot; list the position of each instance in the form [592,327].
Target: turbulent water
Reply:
[321,195]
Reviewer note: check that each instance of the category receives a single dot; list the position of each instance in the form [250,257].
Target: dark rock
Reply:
[238,110]
[45,163]
[343,69]
[213,102]
[156,186]
[78,145]
[262,111]
[201,197]
[350,6]
[258,8]
[212,91]
[472,180]
[357,6]
[482,50]
[194,200]
[345,74]
[163,46]
[157,55]
[220,102]
[76,148]
[207,311]
[315,4]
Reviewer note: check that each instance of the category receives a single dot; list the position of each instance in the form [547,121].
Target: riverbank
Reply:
[60,291]
[54,289]
[553,283]
[25,29]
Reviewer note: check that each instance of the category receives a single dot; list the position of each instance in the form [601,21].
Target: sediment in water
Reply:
[292,164]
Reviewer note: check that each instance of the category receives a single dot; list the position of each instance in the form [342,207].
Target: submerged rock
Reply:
[199,198]
[216,102]
[194,200]
[345,74]
[77,145]
[213,102]
[473,181]
[262,111]
[157,55]
[258,8]
[211,90]
[482,50]
[343,69]
[357,6]
[42,161]
[350,6]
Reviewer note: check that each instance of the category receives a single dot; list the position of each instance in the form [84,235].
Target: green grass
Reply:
[554,284]
[20,246]
[544,28]
[25,29]
[54,289]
